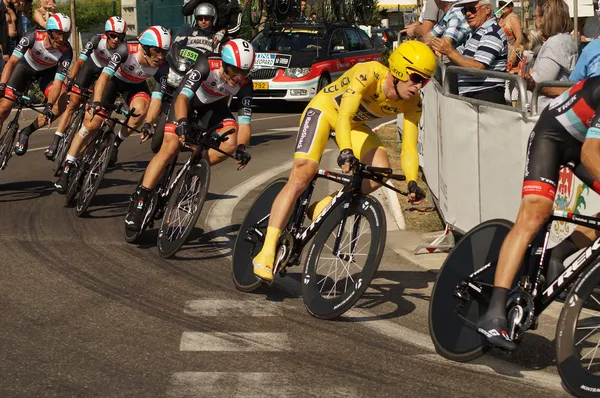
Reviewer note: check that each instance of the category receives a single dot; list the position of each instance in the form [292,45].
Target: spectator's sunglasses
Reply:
[471,8]
[114,35]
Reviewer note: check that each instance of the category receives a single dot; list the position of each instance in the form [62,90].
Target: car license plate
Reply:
[261,85]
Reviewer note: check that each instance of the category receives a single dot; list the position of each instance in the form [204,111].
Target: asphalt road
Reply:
[86,314]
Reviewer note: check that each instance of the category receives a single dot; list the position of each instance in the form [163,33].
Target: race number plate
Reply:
[261,85]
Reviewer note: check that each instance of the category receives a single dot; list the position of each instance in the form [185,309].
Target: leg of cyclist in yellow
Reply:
[302,174]
[534,212]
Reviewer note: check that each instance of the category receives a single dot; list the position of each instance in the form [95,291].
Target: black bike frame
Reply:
[538,259]
[351,187]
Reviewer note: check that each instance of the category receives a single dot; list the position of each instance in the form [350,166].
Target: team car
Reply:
[295,61]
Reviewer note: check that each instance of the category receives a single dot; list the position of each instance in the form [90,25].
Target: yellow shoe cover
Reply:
[263,266]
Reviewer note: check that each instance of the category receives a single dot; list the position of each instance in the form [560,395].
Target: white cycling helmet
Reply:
[156,36]
[239,54]
[60,22]
[206,9]
[115,24]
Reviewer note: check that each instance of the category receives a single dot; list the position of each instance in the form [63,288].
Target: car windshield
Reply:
[288,41]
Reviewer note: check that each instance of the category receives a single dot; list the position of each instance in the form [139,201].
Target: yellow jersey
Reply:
[357,97]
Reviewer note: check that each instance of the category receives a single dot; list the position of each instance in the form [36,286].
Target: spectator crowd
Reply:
[470,33]
[17,17]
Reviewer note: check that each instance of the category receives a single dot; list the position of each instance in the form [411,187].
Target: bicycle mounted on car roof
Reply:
[278,11]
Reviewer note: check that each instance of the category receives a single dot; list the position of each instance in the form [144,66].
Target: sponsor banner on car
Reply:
[269,60]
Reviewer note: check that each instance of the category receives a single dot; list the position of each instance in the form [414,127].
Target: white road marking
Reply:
[219,218]
[484,364]
[277,117]
[234,341]
[232,308]
[247,385]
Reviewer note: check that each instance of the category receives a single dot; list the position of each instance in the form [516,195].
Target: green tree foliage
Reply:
[89,14]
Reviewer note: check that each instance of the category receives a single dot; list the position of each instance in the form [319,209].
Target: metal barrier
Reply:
[539,87]
[456,70]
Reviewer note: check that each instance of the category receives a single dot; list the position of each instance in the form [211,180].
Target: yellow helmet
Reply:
[414,56]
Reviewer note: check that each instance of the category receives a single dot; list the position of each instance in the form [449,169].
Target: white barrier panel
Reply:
[429,144]
[458,163]
[473,158]
[503,137]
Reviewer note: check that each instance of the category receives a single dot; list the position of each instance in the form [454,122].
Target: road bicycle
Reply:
[89,172]
[179,196]
[65,143]
[7,141]
[464,284]
[349,238]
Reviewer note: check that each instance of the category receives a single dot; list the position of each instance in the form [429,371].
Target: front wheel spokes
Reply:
[338,268]
[94,173]
[182,214]
[587,335]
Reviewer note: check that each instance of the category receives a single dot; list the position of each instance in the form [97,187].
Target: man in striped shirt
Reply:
[486,48]
[453,25]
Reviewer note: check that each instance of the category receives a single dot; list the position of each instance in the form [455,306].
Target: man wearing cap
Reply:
[485,48]
[453,26]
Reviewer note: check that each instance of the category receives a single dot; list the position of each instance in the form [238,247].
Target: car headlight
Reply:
[296,72]
[173,79]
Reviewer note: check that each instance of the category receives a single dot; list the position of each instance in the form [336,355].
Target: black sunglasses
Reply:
[113,35]
[203,18]
[472,9]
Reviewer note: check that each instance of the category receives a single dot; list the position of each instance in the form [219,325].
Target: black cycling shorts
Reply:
[204,116]
[86,76]
[23,74]
[547,151]
[129,91]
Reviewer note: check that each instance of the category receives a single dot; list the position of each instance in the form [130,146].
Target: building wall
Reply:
[129,13]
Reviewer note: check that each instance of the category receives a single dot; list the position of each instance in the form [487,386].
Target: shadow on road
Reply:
[25,190]
[206,246]
[263,139]
[108,206]
[133,166]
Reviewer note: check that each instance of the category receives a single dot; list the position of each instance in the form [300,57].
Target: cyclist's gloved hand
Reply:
[416,194]
[147,131]
[48,112]
[346,160]
[96,107]
[242,157]
[182,127]
[2,89]
[68,84]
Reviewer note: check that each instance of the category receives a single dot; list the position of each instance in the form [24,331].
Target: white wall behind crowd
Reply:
[473,156]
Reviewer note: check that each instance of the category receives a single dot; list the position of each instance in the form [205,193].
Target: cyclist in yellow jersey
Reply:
[365,92]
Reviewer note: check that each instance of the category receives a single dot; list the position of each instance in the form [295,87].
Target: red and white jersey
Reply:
[125,66]
[97,50]
[213,88]
[31,48]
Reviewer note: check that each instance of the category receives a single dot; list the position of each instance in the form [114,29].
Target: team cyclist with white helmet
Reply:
[367,91]
[93,58]
[206,88]
[43,56]
[126,73]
